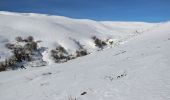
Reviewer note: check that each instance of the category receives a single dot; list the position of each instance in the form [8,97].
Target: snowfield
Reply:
[136,67]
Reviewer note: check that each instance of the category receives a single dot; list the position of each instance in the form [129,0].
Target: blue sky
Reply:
[114,10]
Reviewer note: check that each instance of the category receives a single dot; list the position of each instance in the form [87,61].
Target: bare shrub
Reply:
[2,66]
[7,64]
[81,52]
[9,46]
[109,41]
[60,54]
[30,38]
[31,46]
[83,93]
[27,52]
[61,49]
[98,42]
[19,39]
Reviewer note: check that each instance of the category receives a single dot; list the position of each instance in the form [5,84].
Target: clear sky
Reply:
[114,10]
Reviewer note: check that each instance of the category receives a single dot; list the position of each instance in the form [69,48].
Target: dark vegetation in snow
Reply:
[81,50]
[48,73]
[99,43]
[24,50]
[83,93]
[60,54]
[115,76]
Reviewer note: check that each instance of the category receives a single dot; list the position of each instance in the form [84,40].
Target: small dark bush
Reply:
[8,64]
[94,37]
[61,49]
[60,54]
[81,52]
[10,46]
[83,93]
[98,42]
[12,61]
[2,66]
[31,46]
[30,38]
[19,39]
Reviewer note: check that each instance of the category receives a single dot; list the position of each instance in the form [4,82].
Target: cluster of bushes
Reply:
[11,63]
[60,54]
[30,44]
[24,50]
[99,43]
[81,50]
[3,66]
[28,39]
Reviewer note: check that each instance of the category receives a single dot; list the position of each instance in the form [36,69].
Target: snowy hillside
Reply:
[135,67]
[54,30]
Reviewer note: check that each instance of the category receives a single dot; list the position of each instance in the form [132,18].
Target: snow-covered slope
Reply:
[136,70]
[54,30]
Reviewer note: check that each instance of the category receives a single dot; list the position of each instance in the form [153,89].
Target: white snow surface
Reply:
[136,69]
[54,30]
